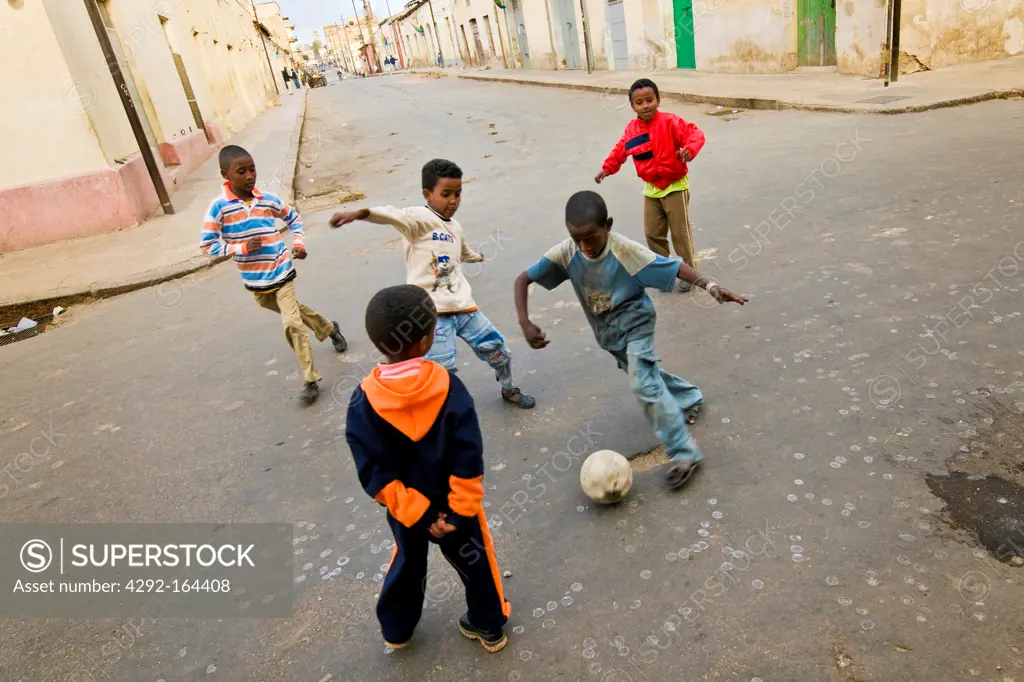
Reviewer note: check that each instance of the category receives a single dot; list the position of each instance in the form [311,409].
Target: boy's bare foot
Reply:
[310,392]
[516,397]
[340,344]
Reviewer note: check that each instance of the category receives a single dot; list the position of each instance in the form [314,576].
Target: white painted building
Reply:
[722,36]
[197,73]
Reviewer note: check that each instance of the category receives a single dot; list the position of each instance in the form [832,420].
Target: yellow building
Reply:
[196,73]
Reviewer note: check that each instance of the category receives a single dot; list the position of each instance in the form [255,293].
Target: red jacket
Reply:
[653,145]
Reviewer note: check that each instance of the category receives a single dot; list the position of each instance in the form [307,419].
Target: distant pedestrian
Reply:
[661,145]
[295,79]
[415,438]
[242,222]
[284,74]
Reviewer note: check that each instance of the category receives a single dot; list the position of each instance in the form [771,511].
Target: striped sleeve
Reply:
[210,238]
[292,219]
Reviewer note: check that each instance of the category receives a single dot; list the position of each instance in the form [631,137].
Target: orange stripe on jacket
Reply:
[466,495]
[506,607]
[408,505]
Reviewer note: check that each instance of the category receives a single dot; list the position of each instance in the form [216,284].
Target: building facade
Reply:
[196,73]
[719,36]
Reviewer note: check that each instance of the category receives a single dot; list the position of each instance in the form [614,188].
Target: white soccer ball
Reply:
[606,476]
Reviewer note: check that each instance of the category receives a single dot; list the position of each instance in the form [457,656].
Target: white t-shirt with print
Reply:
[434,253]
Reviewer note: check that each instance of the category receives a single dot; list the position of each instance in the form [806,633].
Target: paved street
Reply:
[878,365]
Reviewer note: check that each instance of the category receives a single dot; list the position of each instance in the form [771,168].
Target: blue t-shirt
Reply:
[611,287]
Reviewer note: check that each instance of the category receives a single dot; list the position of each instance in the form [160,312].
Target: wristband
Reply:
[710,285]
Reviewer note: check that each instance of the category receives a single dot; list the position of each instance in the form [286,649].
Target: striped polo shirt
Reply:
[230,222]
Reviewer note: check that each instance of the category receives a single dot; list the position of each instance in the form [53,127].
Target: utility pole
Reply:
[894,70]
[551,37]
[368,16]
[263,39]
[348,45]
[359,28]
[586,35]
[504,59]
[887,54]
[394,32]
[129,106]
[440,52]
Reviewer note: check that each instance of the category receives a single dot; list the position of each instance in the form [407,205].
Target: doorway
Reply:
[490,36]
[615,16]
[686,57]
[524,46]
[566,14]
[816,33]
[465,45]
[186,83]
[475,29]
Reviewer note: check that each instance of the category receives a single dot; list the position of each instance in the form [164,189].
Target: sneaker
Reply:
[494,641]
[310,391]
[396,646]
[684,287]
[340,344]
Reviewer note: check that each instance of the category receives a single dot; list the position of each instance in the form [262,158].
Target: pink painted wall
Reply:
[95,203]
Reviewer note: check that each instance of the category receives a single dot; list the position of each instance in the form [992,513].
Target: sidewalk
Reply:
[163,247]
[814,90]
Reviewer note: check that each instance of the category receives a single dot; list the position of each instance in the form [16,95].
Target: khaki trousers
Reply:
[296,317]
[669,214]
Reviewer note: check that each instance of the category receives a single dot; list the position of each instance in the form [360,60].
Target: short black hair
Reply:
[584,208]
[436,169]
[398,317]
[231,153]
[641,84]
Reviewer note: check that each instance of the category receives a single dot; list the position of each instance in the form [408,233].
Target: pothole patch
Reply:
[984,489]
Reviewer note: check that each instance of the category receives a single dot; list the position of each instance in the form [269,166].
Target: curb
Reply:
[291,160]
[765,104]
[169,272]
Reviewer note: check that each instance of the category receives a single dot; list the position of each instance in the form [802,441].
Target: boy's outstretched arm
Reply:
[386,215]
[534,336]
[614,162]
[720,294]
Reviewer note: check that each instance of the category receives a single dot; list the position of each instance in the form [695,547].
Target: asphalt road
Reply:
[881,351]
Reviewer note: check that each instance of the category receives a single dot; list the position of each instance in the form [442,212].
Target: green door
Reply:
[685,57]
[816,33]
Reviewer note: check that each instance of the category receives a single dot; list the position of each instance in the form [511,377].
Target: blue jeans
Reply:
[662,396]
[482,336]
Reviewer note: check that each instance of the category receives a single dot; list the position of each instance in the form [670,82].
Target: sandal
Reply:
[691,414]
[518,398]
[681,472]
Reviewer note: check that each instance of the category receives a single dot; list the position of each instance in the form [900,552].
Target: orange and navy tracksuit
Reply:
[414,436]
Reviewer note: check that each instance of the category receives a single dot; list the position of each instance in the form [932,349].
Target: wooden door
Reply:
[686,57]
[816,32]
